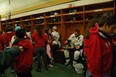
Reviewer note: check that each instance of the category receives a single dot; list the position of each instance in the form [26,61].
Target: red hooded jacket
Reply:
[1,42]
[99,53]
[24,61]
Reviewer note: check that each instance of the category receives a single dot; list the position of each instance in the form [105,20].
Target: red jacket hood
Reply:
[94,29]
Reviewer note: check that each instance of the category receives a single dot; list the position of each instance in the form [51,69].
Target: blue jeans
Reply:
[88,74]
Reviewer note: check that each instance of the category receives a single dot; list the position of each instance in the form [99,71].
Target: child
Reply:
[100,47]
[7,36]
[23,62]
[48,46]
[40,39]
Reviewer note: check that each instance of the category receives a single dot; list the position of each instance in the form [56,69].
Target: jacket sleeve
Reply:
[95,57]
[7,56]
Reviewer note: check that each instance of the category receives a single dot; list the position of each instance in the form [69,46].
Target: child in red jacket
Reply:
[23,62]
[7,36]
[100,47]
[40,39]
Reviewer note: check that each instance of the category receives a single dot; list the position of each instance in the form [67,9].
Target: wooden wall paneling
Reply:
[53,18]
[45,22]
[70,28]
[72,19]
[97,10]
[38,20]
[84,17]
[63,29]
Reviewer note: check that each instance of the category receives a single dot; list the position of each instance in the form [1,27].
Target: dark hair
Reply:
[20,33]
[89,25]
[77,30]
[47,30]
[39,30]
[0,32]
[9,28]
[107,19]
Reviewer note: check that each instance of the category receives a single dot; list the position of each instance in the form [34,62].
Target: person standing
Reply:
[86,40]
[40,39]
[49,46]
[100,47]
[56,42]
[23,62]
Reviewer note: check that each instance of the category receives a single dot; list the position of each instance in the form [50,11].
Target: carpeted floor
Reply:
[59,70]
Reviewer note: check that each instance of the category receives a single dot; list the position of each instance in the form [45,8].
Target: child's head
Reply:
[54,28]
[77,32]
[107,23]
[9,28]
[48,31]
[20,33]
[17,27]
[90,24]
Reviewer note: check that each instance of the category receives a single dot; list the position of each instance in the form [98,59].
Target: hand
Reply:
[65,42]
[77,47]
[21,48]
[71,47]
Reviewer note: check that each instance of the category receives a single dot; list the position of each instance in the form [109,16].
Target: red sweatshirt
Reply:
[7,38]
[99,53]
[23,62]
[39,41]
[1,42]
[86,42]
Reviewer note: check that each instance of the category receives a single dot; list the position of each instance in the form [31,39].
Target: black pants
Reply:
[41,52]
[24,74]
[55,47]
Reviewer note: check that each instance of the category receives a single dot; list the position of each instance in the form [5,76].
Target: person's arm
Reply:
[95,56]
[7,56]
[69,39]
[80,42]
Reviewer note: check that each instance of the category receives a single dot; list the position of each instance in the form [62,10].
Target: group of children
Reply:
[98,45]
[17,41]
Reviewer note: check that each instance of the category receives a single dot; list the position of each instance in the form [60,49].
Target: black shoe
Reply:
[38,70]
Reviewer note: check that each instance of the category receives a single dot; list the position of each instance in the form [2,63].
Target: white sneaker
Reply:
[50,65]
[66,64]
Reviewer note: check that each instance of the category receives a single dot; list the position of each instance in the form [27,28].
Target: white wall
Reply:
[65,5]
[14,5]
